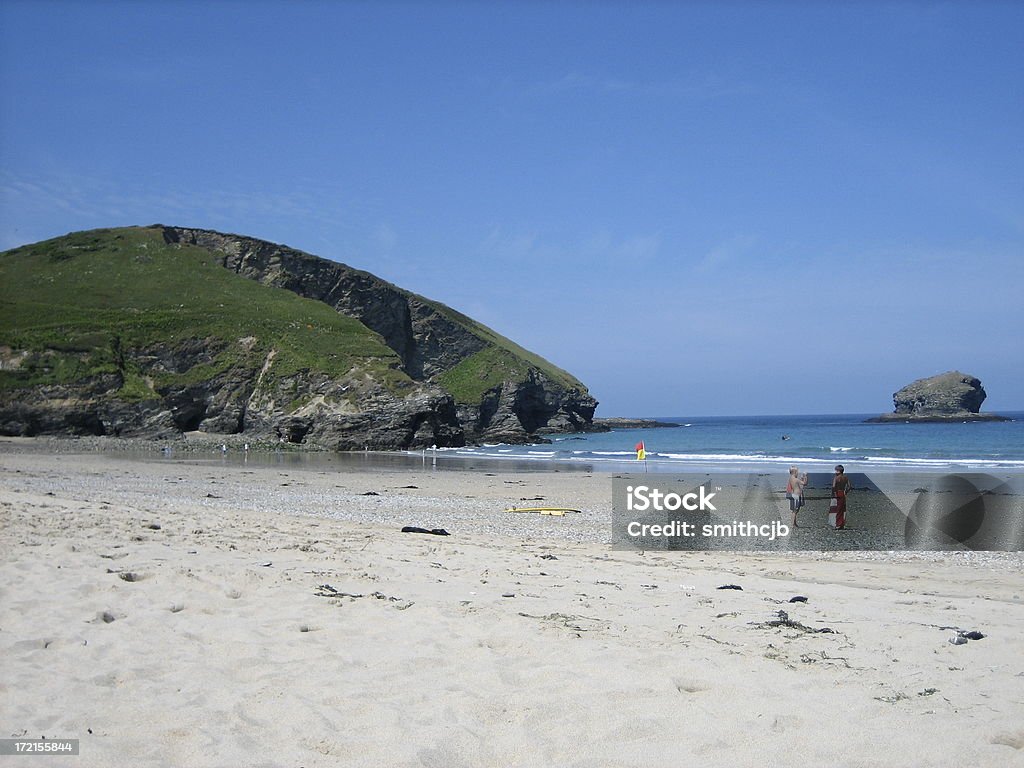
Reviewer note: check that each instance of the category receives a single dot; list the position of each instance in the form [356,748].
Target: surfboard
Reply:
[556,511]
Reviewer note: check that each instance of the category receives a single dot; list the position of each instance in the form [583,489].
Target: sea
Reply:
[749,443]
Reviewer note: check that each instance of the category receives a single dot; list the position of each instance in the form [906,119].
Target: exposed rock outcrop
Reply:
[519,412]
[350,413]
[430,338]
[950,396]
[397,370]
[619,422]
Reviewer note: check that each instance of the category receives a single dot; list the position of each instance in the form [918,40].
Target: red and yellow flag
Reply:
[641,452]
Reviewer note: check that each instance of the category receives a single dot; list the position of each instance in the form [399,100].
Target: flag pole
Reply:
[641,453]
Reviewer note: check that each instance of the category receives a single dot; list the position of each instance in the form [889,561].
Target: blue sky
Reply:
[698,209]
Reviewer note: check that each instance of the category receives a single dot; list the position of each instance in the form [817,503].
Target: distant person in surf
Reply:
[795,491]
[840,487]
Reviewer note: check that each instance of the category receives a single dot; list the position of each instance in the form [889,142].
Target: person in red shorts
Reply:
[840,487]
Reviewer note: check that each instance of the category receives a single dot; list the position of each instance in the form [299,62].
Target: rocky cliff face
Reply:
[429,339]
[347,413]
[950,396]
[519,412]
[141,338]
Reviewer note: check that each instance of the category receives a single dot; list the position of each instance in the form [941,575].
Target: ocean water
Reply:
[815,443]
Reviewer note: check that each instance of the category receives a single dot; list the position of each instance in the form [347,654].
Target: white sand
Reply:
[221,653]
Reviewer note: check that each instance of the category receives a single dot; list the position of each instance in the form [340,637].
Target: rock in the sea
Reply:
[619,422]
[950,396]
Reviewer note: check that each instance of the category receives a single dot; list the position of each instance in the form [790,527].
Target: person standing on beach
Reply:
[795,491]
[840,487]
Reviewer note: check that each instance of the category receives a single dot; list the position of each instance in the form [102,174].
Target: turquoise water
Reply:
[747,442]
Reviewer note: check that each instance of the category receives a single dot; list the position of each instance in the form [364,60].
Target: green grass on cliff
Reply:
[79,300]
[478,373]
[503,361]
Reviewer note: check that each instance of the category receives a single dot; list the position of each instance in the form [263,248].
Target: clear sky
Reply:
[697,208]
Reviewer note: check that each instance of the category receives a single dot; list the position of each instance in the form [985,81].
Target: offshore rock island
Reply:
[159,331]
[950,396]
[619,422]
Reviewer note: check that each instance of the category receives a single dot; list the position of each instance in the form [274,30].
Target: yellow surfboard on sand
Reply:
[554,511]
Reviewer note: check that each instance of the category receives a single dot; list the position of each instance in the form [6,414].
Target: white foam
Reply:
[973,463]
[669,459]
[714,456]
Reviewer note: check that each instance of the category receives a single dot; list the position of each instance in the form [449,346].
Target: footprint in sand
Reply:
[1015,740]
[107,680]
[31,645]
[689,686]
[65,642]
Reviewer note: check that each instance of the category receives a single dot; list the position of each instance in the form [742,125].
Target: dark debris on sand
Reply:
[783,620]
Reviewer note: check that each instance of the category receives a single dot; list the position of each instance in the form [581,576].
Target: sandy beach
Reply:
[209,613]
